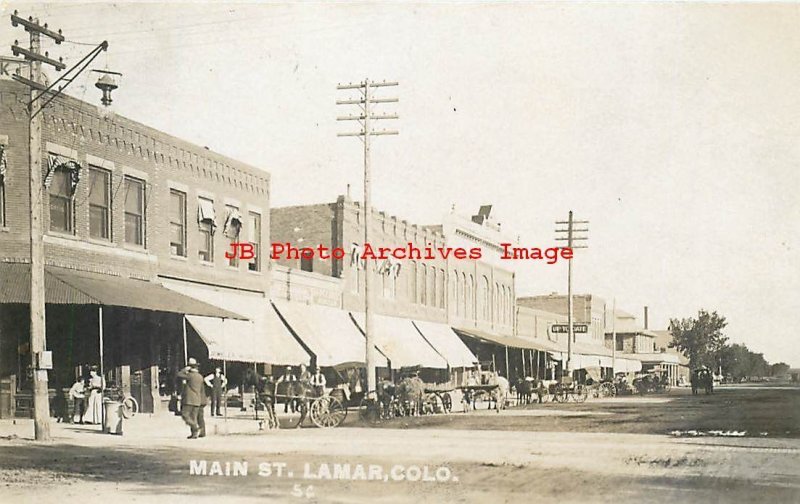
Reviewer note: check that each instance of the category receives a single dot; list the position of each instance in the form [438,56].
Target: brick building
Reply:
[465,294]
[123,202]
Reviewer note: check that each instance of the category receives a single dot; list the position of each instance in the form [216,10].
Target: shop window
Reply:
[99,203]
[134,211]
[177,223]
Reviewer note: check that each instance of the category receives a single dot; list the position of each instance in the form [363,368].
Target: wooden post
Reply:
[41,401]
[185,349]
[102,366]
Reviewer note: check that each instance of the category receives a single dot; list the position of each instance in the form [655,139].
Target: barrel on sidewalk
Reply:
[112,420]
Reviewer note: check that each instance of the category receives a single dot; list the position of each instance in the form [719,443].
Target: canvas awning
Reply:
[624,365]
[262,338]
[67,286]
[328,332]
[510,341]
[401,343]
[447,343]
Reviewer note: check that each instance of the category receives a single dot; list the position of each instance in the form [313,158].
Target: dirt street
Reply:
[479,457]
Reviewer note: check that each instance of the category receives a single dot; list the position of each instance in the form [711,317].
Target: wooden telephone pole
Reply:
[41,405]
[571,235]
[365,118]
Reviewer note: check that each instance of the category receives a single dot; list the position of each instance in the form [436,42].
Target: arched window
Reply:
[459,295]
[412,282]
[442,292]
[468,298]
[423,284]
[485,298]
[463,298]
[431,286]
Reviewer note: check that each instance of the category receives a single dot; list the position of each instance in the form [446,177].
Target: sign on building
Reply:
[564,328]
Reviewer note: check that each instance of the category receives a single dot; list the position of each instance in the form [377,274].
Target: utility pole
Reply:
[571,235]
[365,118]
[614,339]
[41,406]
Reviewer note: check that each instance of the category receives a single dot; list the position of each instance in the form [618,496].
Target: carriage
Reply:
[702,378]
[325,411]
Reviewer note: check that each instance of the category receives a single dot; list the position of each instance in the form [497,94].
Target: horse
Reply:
[386,392]
[498,395]
[411,392]
[525,389]
[702,379]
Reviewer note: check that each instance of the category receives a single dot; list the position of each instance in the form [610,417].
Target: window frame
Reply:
[68,199]
[93,172]
[206,231]
[142,217]
[182,224]
[254,228]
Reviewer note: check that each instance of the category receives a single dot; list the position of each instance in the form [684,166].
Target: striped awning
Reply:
[67,286]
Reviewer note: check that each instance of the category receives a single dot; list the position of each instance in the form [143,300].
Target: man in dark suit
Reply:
[193,399]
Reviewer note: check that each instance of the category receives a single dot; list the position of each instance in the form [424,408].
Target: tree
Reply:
[699,339]
[779,369]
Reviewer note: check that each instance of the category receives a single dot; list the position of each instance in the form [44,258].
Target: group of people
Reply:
[316,380]
[87,398]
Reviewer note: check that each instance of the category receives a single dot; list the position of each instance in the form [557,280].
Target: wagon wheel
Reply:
[447,402]
[580,393]
[129,407]
[477,399]
[561,394]
[667,386]
[369,411]
[327,412]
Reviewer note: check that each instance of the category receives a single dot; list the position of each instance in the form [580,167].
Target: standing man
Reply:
[193,399]
[318,382]
[217,382]
[288,378]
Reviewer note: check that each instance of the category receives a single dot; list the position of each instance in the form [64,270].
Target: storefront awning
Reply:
[624,365]
[67,286]
[231,340]
[328,332]
[510,341]
[401,343]
[447,343]
[263,338]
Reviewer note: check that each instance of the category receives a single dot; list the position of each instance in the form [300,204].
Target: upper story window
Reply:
[61,204]
[206,224]
[254,236]
[233,229]
[134,211]
[177,223]
[99,203]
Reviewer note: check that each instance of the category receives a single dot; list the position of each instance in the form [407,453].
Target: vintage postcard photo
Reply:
[399,252]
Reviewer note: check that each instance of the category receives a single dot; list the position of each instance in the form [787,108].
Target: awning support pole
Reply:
[508,376]
[524,371]
[225,388]
[102,366]
[185,349]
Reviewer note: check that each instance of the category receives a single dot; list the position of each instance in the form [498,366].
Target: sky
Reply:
[671,127]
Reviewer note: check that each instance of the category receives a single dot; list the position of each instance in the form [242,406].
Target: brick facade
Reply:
[76,130]
[441,290]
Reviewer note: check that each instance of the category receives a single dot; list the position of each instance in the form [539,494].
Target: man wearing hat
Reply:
[318,382]
[287,378]
[193,399]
